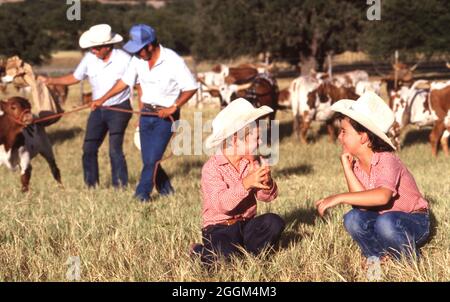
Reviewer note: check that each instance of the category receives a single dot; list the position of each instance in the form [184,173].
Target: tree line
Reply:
[301,31]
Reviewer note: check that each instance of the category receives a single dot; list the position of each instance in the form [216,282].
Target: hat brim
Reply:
[86,42]
[216,139]
[133,47]
[345,107]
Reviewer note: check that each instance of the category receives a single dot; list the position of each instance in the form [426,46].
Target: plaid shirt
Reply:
[224,196]
[389,172]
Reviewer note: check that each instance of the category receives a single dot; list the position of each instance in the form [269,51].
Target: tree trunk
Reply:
[307,64]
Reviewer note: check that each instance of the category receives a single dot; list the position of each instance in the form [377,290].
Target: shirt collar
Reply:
[221,159]
[111,58]
[375,159]
[162,56]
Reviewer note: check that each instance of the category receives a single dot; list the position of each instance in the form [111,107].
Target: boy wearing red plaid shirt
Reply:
[389,215]
[232,181]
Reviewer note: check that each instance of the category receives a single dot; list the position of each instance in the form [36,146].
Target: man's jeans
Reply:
[396,233]
[155,134]
[100,122]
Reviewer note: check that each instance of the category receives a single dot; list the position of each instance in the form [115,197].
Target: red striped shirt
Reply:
[224,196]
[389,172]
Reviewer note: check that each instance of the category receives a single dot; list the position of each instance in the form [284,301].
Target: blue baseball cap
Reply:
[140,35]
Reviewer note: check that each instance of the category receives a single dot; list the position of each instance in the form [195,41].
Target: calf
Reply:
[20,141]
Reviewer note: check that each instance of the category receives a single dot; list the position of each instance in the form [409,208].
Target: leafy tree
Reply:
[409,26]
[22,35]
[302,31]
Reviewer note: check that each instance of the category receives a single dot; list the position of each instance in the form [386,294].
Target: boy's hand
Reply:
[347,160]
[267,179]
[326,203]
[257,178]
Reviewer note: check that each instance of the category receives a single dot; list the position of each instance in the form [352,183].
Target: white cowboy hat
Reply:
[371,112]
[98,35]
[238,114]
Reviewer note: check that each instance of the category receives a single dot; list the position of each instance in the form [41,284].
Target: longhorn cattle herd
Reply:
[420,103]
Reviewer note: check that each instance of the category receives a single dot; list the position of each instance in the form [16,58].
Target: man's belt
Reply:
[153,108]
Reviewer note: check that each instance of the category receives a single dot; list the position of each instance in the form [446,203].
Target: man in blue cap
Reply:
[167,84]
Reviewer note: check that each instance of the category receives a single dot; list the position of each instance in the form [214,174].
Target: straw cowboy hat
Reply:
[98,35]
[238,114]
[370,111]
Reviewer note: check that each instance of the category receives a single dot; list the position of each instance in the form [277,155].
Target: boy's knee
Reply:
[353,222]
[274,222]
[386,227]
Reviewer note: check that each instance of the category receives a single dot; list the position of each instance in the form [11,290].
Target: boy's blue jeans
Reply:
[155,134]
[395,233]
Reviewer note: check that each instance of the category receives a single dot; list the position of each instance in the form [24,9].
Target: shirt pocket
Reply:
[94,78]
[166,83]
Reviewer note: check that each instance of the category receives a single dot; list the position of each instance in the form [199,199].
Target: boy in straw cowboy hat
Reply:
[389,215]
[103,65]
[232,181]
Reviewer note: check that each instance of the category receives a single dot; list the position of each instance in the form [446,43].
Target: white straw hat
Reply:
[238,114]
[371,112]
[98,35]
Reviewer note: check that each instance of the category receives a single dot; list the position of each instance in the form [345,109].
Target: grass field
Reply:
[117,238]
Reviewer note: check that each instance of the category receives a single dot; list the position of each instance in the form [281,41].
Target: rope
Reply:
[56,115]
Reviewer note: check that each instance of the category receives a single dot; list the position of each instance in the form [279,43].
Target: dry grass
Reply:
[118,238]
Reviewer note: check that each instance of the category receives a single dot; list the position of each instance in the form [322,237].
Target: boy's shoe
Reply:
[195,250]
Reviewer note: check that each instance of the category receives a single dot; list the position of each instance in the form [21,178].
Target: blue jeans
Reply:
[155,134]
[395,233]
[100,122]
[253,235]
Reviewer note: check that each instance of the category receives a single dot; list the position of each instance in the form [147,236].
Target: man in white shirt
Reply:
[167,84]
[103,66]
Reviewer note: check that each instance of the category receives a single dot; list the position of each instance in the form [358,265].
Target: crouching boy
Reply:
[232,180]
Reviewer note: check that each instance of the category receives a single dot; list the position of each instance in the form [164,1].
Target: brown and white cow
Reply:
[350,79]
[440,104]
[20,140]
[413,106]
[298,97]
[320,101]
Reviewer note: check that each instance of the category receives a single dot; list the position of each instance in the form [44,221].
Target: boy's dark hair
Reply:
[376,143]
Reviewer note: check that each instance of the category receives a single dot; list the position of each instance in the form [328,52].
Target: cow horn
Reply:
[414,67]
[209,87]
[243,86]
